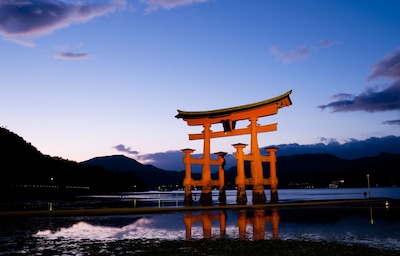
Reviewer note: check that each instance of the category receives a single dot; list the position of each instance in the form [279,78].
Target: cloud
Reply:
[329,141]
[301,52]
[173,160]
[169,160]
[368,101]
[375,98]
[325,43]
[392,122]
[22,42]
[72,56]
[34,18]
[123,148]
[389,67]
[168,4]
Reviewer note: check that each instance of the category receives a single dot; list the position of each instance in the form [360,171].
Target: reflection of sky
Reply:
[158,226]
[170,226]
[148,227]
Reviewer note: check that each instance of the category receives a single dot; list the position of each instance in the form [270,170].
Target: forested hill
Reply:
[26,172]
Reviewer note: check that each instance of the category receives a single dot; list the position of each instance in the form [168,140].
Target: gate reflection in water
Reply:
[256,218]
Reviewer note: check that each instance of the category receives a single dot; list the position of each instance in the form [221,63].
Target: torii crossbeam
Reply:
[228,118]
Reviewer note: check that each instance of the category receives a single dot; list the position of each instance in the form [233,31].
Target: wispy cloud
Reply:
[375,98]
[72,56]
[168,4]
[128,150]
[301,52]
[21,41]
[326,43]
[392,122]
[22,20]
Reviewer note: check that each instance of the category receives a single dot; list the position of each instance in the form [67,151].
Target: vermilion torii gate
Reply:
[228,118]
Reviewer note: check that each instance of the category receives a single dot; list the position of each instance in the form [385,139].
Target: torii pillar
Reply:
[206,190]
[188,181]
[221,177]
[241,197]
[272,174]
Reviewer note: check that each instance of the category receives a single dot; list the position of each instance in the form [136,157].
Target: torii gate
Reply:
[228,117]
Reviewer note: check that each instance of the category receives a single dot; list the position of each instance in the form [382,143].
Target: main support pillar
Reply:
[206,191]
[221,177]
[241,197]
[256,165]
[188,181]
[273,178]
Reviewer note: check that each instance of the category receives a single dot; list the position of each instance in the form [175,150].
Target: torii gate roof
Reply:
[267,107]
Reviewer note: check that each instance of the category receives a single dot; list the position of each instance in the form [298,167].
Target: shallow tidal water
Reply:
[376,225]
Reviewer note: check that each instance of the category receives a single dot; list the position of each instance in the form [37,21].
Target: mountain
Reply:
[320,170]
[27,173]
[152,176]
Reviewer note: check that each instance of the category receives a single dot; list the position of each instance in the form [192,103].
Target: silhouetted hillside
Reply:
[26,172]
[319,170]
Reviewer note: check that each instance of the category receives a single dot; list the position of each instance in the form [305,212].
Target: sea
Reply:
[372,224]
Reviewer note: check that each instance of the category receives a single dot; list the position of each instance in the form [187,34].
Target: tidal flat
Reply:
[208,247]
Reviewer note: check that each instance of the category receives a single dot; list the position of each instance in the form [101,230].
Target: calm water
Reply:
[175,198]
[375,225]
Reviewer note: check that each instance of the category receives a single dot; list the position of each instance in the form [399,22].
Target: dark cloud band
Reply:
[369,101]
[374,100]
[72,56]
[32,18]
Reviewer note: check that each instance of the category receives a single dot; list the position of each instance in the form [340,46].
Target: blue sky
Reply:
[81,79]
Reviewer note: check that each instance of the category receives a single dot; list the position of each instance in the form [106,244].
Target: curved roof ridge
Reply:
[227,111]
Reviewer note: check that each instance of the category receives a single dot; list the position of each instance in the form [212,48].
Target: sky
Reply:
[81,79]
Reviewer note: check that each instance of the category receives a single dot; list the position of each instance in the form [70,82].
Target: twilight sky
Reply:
[87,78]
